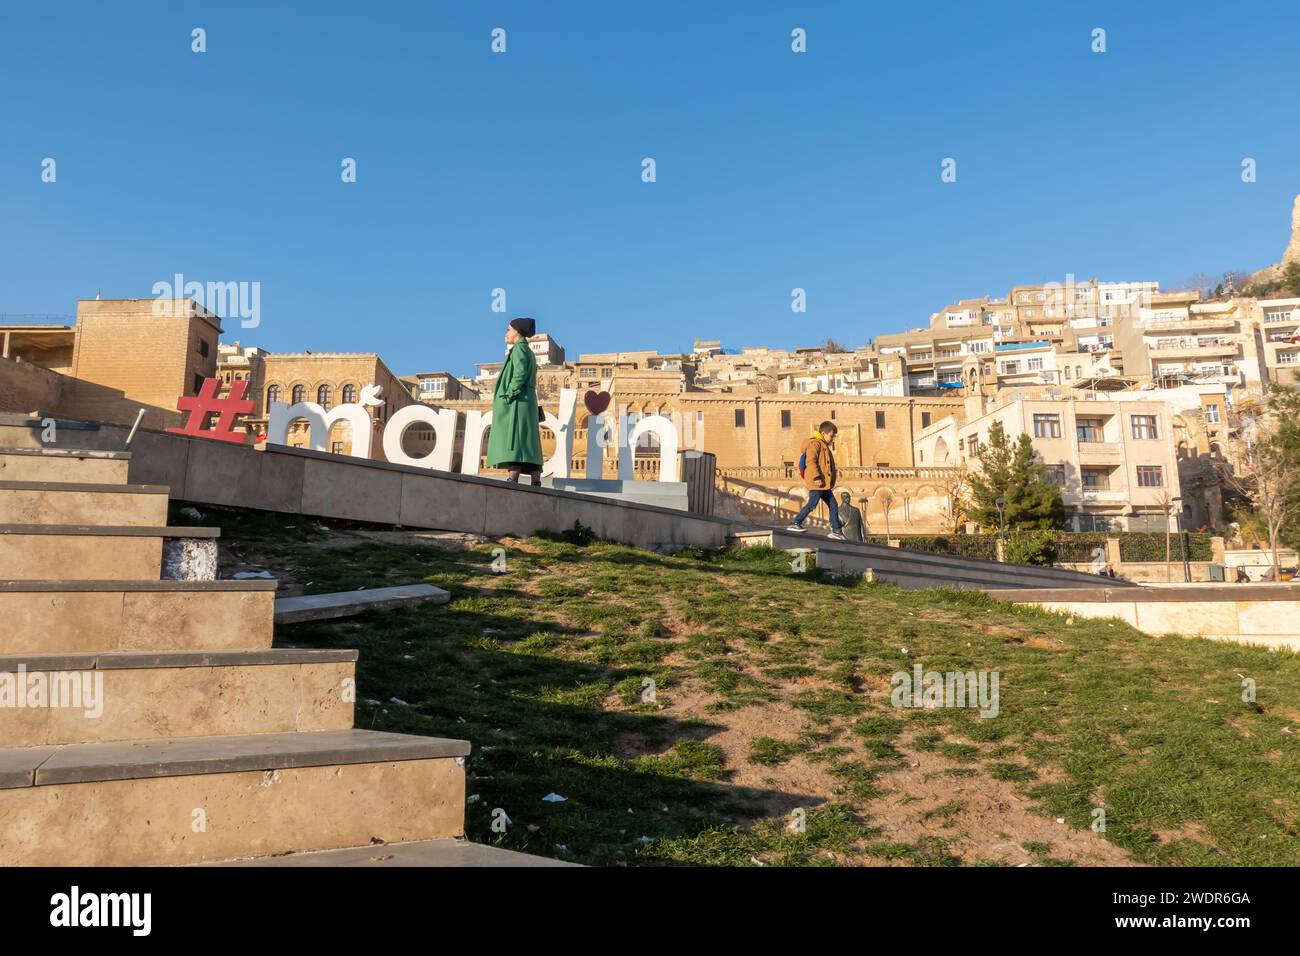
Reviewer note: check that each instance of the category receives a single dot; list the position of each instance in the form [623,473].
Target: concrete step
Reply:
[55,502]
[89,617]
[324,607]
[44,552]
[153,803]
[442,853]
[915,569]
[139,695]
[58,464]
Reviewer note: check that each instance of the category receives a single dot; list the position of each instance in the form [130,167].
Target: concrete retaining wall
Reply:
[1265,614]
[1155,572]
[298,481]
[909,568]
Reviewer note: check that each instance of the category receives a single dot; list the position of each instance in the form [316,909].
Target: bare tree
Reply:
[955,486]
[1166,505]
[887,500]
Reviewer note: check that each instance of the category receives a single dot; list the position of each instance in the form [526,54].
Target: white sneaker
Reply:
[836,536]
[793,527]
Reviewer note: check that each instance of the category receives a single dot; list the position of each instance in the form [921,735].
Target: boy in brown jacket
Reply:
[819,478]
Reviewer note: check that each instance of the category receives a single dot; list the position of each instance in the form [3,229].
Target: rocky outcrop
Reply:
[1291,253]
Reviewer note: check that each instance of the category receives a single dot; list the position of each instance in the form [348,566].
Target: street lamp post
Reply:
[1002,522]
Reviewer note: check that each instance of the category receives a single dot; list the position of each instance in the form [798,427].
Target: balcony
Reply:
[1103,496]
[1100,453]
[1191,349]
[1203,324]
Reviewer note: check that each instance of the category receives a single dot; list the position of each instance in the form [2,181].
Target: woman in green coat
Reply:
[515,441]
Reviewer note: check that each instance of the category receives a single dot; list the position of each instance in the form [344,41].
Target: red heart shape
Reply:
[596,402]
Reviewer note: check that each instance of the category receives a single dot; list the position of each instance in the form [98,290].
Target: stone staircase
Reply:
[181,735]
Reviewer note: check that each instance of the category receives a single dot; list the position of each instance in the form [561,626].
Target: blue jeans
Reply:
[815,496]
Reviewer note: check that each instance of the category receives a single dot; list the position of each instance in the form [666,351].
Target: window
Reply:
[1095,479]
[1078,371]
[323,397]
[336,447]
[299,394]
[1056,474]
[978,346]
[789,469]
[1010,368]
[272,395]
[880,419]
[1212,414]
[1144,426]
[1047,426]
[1095,523]
[203,348]
[785,418]
[740,418]
[1067,373]
[1035,364]
[1089,429]
[349,394]
[973,443]
[1151,476]
[198,382]
[925,419]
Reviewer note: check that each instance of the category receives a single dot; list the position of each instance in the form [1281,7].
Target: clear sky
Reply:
[523,170]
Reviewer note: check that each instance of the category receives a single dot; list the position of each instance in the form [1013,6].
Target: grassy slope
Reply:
[542,668]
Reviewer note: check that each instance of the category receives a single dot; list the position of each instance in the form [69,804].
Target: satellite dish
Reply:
[1053,391]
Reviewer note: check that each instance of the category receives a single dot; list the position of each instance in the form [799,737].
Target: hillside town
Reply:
[1127,392]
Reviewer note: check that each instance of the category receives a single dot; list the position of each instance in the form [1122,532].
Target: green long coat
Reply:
[515,435]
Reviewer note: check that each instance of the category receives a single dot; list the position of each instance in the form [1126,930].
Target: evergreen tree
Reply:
[1011,471]
[1291,278]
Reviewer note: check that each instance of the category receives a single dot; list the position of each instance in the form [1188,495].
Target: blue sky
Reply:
[522,170]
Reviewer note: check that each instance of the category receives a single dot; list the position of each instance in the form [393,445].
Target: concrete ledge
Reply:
[441,853]
[324,607]
[1264,615]
[20,587]
[111,531]
[127,660]
[67,453]
[937,570]
[181,756]
[84,487]
[1192,594]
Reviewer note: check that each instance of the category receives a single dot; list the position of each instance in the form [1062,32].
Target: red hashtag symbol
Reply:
[207,403]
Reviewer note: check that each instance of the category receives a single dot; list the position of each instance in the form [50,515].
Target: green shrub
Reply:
[1150,546]
[1031,547]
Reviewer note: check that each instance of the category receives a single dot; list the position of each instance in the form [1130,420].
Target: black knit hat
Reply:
[524,326]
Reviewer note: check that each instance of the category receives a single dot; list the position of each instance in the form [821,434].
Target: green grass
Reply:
[545,668]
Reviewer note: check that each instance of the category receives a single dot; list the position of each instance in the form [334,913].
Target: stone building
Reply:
[123,355]
[325,378]
[1114,460]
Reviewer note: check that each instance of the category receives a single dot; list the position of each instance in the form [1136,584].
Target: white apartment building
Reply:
[1115,461]
[1276,322]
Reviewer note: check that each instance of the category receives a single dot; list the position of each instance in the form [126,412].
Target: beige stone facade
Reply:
[327,379]
[1114,460]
